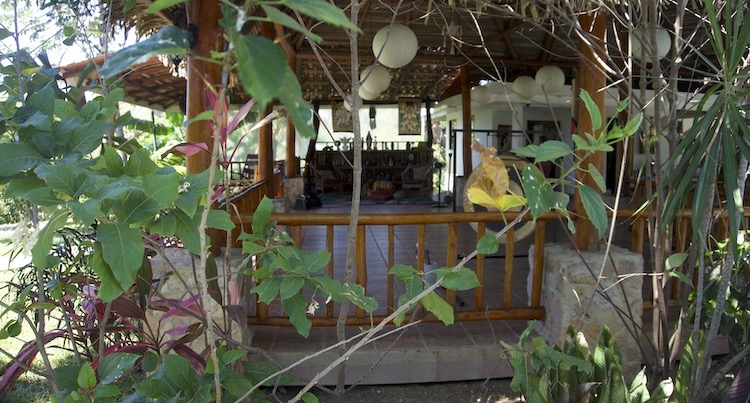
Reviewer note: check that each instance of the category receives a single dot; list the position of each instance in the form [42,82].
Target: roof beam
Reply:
[454,60]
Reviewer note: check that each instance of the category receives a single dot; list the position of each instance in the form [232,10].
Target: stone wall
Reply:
[569,286]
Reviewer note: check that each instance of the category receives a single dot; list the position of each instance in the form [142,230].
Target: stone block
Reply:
[569,297]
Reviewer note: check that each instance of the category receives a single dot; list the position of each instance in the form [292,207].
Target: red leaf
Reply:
[187,149]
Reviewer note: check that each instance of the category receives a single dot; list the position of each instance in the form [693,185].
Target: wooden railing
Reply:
[480,309]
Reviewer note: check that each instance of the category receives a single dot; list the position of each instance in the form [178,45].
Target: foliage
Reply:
[571,373]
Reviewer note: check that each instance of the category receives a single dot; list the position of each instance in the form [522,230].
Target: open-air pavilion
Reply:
[473,76]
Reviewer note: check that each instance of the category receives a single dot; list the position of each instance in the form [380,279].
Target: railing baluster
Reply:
[479,291]
[389,285]
[361,273]
[451,257]
[297,235]
[536,285]
[509,258]
[329,266]
[421,232]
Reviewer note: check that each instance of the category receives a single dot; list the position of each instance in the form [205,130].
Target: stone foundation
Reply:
[179,282]
[569,285]
[293,187]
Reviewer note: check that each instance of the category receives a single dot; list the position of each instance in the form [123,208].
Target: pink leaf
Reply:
[185,308]
[234,293]
[187,149]
[240,115]
[177,330]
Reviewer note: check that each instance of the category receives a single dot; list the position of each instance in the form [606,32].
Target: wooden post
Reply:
[204,17]
[265,133]
[593,80]
[466,117]
[291,168]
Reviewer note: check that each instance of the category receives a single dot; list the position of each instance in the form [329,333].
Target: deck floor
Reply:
[428,351]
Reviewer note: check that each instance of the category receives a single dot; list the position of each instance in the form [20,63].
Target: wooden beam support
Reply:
[204,15]
[593,80]
[466,119]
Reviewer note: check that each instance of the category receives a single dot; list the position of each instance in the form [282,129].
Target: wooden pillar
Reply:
[204,16]
[291,167]
[592,79]
[265,133]
[466,117]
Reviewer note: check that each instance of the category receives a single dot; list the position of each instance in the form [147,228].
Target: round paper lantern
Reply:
[348,103]
[663,42]
[399,49]
[550,78]
[377,79]
[367,95]
[480,94]
[525,86]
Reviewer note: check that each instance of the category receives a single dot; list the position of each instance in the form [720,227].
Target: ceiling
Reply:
[496,39]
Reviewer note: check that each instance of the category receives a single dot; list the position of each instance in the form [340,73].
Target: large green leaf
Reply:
[262,61]
[113,161]
[538,192]
[403,272]
[597,177]
[187,230]
[44,243]
[86,377]
[312,263]
[290,286]
[356,294]
[278,17]
[460,280]
[17,157]
[323,11]
[122,249]
[109,287]
[137,206]
[162,188]
[296,308]
[592,109]
[114,366]
[33,189]
[67,377]
[262,218]
[165,225]
[139,164]
[87,211]
[179,371]
[168,40]
[219,219]
[268,289]
[551,150]
[65,178]
[86,137]
[488,244]
[187,201]
[441,309]
[297,108]
[594,206]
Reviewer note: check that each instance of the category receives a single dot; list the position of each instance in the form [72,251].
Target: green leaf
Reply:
[551,150]
[86,377]
[403,272]
[67,179]
[631,126]
[252,248]
[86,137]
[188,201]
[162,188]
[153,388]
[296,107]
[67,377]
[597,177]
[136,207]
[675,260]
[110,288]
[488,244]
[112,367]
[441,309]
[261,60]
[262,217]
[139,164]
[103,392]
[87,211]
[178,370]
[231,356]
[113,161]
[322,11]
[168,40]
[165,225]
[460,280]
[122,249]
[44,243]
[187,231]
[593,110]
[682,277]
[539,194]
[284,19]
[312,262]
[594,206]
[268,289]
[159,5]
[290,286]
[296,308]
[17,157]
[356,294]
[309,397]
[529,151]
[219,219]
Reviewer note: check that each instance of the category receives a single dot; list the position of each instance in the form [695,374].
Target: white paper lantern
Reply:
[367,95]
[399,49]
[348,103]
[377,79]
[550,78]
[480,94]
[663,42]
[525,86]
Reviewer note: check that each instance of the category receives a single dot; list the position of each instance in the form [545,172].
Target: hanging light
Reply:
[397,48]
[550,78]
[377,79]
[663,42]
[525,86]
[480,94]
[348,103]
[367,95]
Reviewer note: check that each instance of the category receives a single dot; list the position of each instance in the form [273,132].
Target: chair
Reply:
[251,162]
[417,177]
[327,176]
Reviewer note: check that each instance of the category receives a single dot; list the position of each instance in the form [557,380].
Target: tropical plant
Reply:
[570,373]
